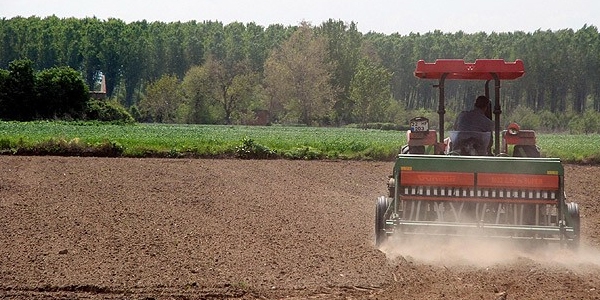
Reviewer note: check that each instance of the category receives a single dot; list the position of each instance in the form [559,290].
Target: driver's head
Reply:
[482,102]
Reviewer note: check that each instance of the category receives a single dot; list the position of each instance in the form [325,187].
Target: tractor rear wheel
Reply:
[380,220]
[574,220]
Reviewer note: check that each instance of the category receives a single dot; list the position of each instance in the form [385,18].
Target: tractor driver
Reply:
[476,119]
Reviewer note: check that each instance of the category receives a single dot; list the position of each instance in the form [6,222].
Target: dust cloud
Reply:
[479,252]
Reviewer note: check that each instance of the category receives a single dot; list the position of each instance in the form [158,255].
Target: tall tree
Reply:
[232,87]
[110,55]
[256,46]
[344,43]
[370,92]
[199,92]
[585,53]
[298,78]
[91,39]
[193,49]
[8,39]
[67,37]
[135,58]
[18,103]
[174,49]
[163,98]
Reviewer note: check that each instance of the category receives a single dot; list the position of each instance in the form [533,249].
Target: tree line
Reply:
[210,72]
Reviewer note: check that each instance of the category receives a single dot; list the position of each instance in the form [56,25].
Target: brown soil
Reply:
[101,228]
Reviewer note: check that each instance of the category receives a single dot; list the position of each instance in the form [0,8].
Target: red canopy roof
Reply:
[481,69]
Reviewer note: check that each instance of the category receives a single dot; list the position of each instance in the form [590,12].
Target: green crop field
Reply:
[163,140]
[571,148]
[204,140]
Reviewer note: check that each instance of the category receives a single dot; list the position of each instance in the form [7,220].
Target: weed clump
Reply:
[252,150]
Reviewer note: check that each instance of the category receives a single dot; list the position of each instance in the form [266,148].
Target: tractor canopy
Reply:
[481,69]
[488,70]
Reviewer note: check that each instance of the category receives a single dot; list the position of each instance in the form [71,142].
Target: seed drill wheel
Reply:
[574,221]
[380,218]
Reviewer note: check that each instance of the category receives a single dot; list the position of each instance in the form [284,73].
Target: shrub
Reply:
[549,121]
[525,117]
[61,93]
[134,111]
[112,111]
[586,123]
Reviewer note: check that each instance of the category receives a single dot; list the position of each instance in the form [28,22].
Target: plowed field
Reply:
[106,228]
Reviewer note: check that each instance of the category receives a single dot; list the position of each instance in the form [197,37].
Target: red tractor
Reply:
[492,184]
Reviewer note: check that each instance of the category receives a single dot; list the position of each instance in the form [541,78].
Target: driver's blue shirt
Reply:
[473,120]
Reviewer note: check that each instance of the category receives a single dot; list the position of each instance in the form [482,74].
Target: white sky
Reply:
[383,16]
